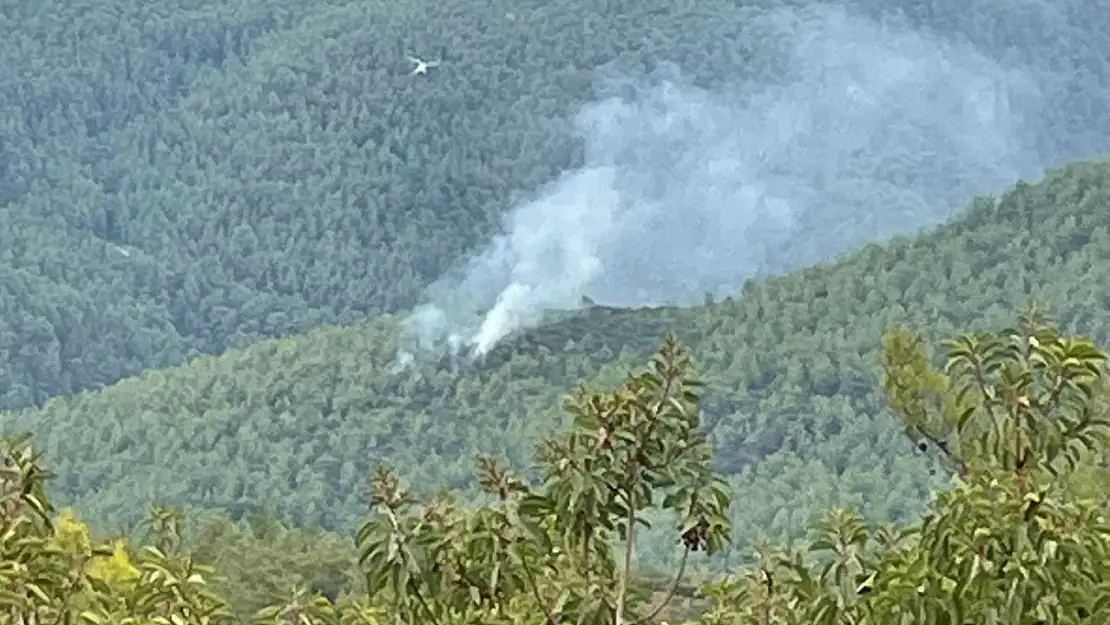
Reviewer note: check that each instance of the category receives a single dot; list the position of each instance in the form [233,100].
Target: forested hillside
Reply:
[792,405]
[215,217]
[1018,417]
[180,177]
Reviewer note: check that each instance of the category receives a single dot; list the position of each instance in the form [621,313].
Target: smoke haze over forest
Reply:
[869,130]
[214,216]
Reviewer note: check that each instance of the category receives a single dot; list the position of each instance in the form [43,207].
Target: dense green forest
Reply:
[791,404]
[182,177]
[1018,416]
[215,218]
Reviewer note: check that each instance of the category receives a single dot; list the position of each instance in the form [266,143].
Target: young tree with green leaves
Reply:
[51,571]
[539,553]
[1012,414]
[543,553]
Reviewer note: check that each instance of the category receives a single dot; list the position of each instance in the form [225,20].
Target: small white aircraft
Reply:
[422,67]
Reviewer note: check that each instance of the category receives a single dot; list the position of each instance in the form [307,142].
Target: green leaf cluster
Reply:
[628,451]
[1013,413]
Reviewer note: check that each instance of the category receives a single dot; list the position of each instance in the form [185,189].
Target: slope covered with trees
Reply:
[791,367]
[183,177]
[1019,417]
[186,178]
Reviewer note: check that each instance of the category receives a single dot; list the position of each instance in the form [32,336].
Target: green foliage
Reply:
[261,559]
[536,554]
[53,572]
[543,554]
[129,243]
[1013,413]
[199,176]
[790,402]
[144,140]
[1008,543]
[1023,398]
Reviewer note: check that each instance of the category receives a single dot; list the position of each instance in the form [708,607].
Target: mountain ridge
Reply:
[272,166]
[792,406]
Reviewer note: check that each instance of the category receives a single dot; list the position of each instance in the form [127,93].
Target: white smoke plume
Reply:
[868,131]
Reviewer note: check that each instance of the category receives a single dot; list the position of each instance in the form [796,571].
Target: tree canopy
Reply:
[1020,537]
[180,178]
[790,404]
[214,218]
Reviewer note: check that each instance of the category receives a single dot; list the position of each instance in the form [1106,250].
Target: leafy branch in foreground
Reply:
[1013,413]
[52,572]
[1024,399]
[544,553]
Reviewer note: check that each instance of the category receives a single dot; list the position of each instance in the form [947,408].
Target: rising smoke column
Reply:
[870,131]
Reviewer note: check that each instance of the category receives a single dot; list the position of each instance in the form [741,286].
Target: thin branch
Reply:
[70,593]
[631,476]
[675,583]
[536,593]
[622,590]
[587,566]
[420,597]
[398,529]
[1055,395]
[946,449]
